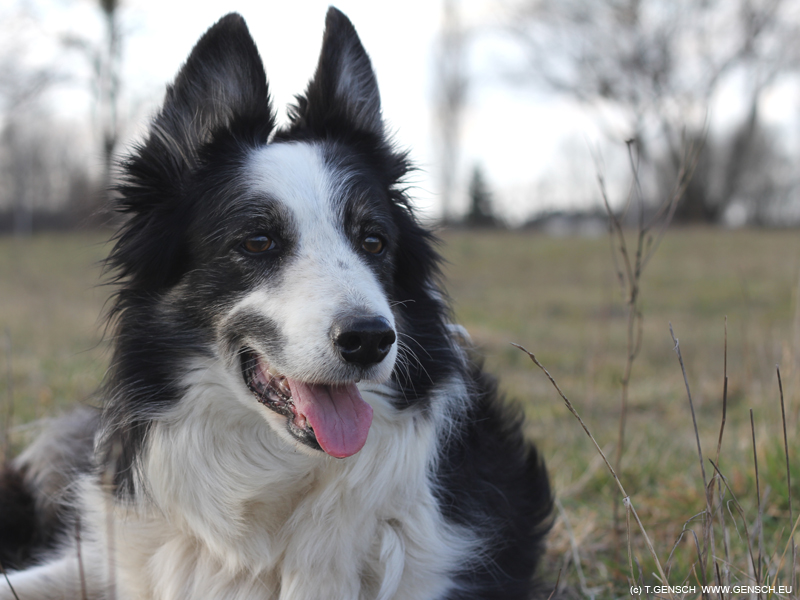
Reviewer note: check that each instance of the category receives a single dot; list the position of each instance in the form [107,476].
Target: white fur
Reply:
[230,508]
[326,278]
[235,513]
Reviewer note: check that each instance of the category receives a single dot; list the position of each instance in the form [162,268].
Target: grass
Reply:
[559,298]
[50,306]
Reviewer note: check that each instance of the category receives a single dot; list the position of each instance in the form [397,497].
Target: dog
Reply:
[289,412]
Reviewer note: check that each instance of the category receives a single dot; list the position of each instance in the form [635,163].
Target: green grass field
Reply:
[558,297]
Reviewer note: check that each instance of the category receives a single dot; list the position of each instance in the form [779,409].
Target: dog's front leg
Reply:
[59,579]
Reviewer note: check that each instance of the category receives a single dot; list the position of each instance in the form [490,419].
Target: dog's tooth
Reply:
[260,377]
[283,386]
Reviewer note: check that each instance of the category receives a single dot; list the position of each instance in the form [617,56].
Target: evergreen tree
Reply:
[480,212]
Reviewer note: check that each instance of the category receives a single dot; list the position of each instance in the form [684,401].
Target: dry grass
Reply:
[560,299]
[50,304]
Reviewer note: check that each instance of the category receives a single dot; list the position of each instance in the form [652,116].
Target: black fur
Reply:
[151,254]
[510,498]
[20,534]
[175,265]
[178,182]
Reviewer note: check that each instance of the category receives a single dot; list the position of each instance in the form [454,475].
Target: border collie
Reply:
[289,413]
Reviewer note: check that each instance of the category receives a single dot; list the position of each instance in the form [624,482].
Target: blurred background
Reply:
[510,108]
[599,171]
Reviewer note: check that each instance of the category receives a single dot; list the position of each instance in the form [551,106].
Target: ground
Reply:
[560,298]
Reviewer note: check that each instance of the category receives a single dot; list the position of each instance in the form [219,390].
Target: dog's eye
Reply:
[258,244]
[372,244]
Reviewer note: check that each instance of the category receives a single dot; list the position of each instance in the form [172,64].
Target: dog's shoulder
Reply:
[491,479]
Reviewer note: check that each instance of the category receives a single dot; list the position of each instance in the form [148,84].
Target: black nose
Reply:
[363,341]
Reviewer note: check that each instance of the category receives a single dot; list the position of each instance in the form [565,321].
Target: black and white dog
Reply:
[288,413]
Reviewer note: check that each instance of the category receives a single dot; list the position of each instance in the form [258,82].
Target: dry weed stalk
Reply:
[8,581]
[740,510]
[788,475]
[555,587]
[708,529]
[721,512]
[648,237]
[625,497]
[758,567]
[759,514]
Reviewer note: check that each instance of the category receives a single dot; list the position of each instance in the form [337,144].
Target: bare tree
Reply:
[660,64]
[745,165]
[20,82]
[451,87]
[21,88]
[105,59]
[45,172]
[44,176]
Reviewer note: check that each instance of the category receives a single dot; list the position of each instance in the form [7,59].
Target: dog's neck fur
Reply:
[304,526]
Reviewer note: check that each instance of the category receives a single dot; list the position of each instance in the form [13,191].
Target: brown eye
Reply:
[257,244]
[372,244]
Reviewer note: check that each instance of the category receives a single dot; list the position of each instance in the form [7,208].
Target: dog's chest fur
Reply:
[284,525]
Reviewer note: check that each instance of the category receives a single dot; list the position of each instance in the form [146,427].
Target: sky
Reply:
[531,144]
[511,133]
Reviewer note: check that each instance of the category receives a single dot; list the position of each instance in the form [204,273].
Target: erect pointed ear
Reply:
[221,88]
[221,84]
[344,85]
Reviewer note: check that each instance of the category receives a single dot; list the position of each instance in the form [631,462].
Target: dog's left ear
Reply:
[344,87]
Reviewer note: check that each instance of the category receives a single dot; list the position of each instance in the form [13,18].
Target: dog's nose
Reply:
[363,341]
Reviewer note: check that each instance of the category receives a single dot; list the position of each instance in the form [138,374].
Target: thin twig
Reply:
[685,530]
[629,283]
[741,514]
[788,470]
[677,349]
[8,581]
[555,587]
[759,521]
[719,447]
[629,279]
[707,528]
[666,211]
[630,550]
[724,390]
[625,498]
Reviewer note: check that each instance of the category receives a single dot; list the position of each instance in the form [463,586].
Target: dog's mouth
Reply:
[333,418]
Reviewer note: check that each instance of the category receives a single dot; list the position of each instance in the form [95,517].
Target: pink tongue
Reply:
[338,414]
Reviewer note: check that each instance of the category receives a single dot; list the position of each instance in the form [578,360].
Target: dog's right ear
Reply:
[220,91]
[222,84]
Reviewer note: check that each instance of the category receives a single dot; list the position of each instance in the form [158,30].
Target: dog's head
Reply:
[292,252]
